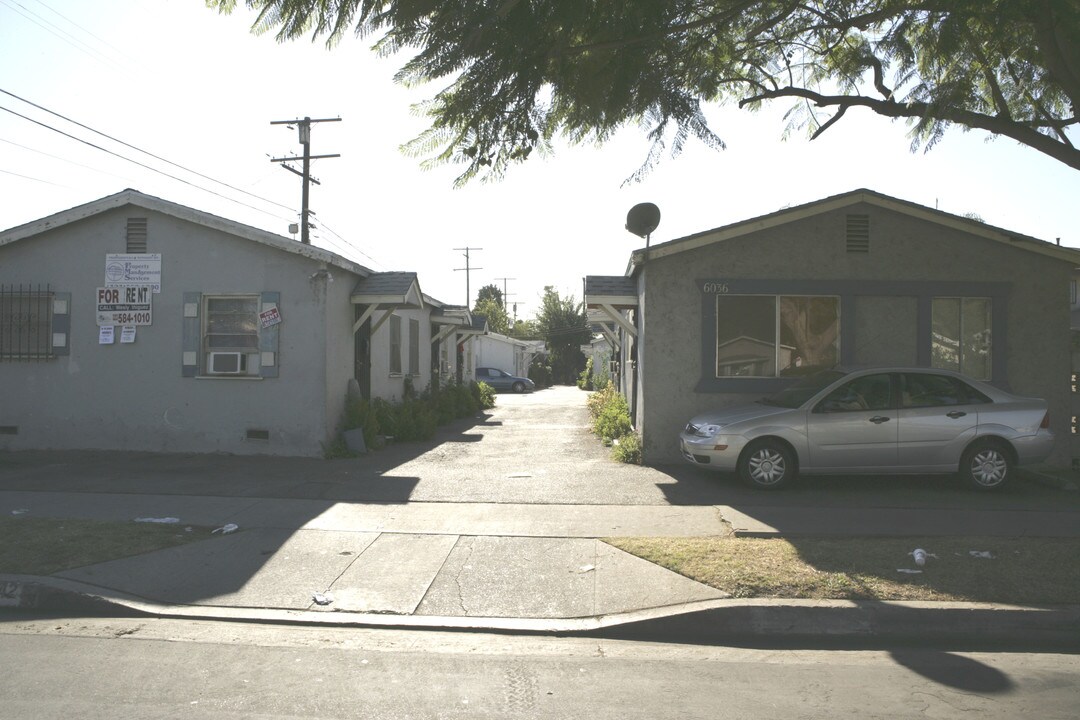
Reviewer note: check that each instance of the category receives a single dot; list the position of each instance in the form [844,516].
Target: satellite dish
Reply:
[642,219]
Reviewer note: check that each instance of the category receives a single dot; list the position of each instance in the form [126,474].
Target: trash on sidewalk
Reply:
[986,554]
[587,568]
[909,571]
[226,529]
[921,555]
[20,511]
[322,598]
[164,520]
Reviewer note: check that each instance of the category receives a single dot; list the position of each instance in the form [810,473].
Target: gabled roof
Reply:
[617,291]
[838,202]
[400,289]
[181,212]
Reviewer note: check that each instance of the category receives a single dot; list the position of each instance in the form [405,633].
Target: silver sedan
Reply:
[884,420]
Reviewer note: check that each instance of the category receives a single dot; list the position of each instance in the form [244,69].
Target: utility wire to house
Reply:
[133,147]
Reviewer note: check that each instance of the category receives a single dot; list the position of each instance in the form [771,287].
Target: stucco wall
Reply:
[134,397]
[908,258]
[391,386]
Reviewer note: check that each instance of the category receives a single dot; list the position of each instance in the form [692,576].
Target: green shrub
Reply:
[600,398]
[540,374]
[614,419]
[487,395]
[585,379]
[627,449]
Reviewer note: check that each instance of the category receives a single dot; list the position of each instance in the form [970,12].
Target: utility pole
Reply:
[506,298]
[467,269]
[305,142]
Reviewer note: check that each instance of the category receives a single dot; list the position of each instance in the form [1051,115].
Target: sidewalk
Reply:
[492,566]
[497,524]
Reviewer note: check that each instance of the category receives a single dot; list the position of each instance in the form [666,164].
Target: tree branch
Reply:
[998,126]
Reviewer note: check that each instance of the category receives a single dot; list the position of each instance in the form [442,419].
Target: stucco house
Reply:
[504,353]
[727,315]
[135,323]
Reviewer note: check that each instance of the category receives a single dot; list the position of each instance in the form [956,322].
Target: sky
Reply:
[198,90]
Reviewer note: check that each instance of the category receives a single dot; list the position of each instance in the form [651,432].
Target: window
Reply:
[869,392]
[25,332]
[928,390]
[775,336]
[231,335]
[962,338]
[395,345]
[414,347]
[33,322]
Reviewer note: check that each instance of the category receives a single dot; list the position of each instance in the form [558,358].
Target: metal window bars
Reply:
[26,322]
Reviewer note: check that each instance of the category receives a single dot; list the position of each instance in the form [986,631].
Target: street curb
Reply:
[704,621]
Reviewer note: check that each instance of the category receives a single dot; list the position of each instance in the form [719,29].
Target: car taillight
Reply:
[1045,424]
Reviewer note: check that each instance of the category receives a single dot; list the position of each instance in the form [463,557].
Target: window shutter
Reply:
[192,334]
[269,338]
[61,323]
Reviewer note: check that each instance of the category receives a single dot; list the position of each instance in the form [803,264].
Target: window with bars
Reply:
[26,327]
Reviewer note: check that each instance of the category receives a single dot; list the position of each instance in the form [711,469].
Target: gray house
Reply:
[134,323]
[730,314]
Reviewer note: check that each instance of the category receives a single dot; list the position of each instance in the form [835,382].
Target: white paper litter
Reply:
[20,511]
[587,568]
[908,571]
[164,520]
[322,598]
[981,554]
[226,529]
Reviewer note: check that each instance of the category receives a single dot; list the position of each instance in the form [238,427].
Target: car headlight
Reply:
[707,430]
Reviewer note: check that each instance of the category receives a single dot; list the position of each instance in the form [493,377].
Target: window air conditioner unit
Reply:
[227,363]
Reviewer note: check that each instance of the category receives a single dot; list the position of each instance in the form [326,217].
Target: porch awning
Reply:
[606,296]
[386,292]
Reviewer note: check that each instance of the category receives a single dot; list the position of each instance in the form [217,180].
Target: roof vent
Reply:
[136,235]
[858,233]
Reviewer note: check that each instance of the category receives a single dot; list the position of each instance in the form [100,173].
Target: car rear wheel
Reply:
[985,466]
[768,465]
[519,387]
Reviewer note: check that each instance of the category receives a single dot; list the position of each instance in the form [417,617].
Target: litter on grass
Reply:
[226,529]
[164,520]
[986,554]
[909,571]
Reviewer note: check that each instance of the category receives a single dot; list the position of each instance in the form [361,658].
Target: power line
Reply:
[56,31]
[133,147]
[136,162]
[27,177]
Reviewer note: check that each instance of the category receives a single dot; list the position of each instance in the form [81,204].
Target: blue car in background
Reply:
[500,380]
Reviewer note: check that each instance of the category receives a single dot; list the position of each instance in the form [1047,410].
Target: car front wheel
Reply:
[985,466]
[519,387]
[768,465]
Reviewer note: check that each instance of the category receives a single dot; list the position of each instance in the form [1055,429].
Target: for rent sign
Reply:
[129,305]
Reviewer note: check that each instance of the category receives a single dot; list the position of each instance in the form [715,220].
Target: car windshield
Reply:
[795,395]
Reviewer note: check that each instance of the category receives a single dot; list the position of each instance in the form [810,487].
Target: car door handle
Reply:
[878,419]
[956,414]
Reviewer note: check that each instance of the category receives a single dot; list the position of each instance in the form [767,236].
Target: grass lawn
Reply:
[43,546]
[1021,571]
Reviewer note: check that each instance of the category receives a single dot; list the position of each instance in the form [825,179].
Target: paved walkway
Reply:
[308,546]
